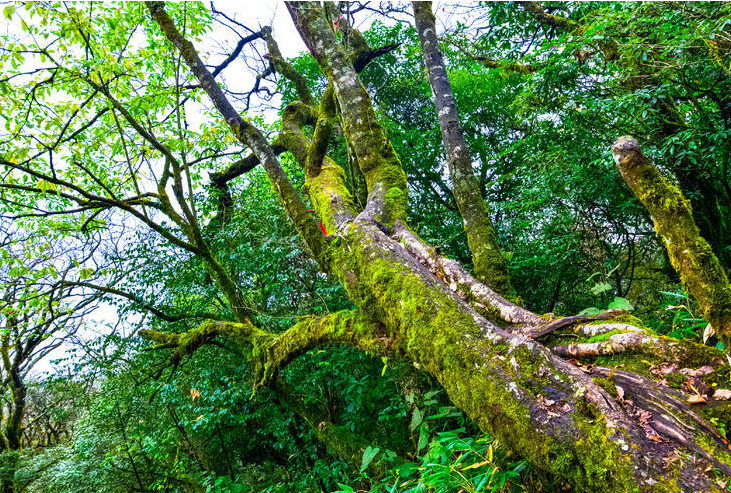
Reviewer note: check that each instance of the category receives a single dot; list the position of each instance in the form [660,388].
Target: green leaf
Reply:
[423,438]
[601,287]
[368,455]
[416,418]
[621,304]
[8,11]
[677,295]
[407,469]
[45,186]
[590,311]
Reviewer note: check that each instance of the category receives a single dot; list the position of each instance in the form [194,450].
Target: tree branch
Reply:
[246,133]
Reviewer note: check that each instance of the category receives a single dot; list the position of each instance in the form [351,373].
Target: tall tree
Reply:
[491,268]
[38,313]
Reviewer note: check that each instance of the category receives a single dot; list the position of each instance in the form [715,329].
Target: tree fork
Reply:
[377,159]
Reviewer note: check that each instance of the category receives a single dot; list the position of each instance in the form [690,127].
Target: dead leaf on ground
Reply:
[722,394]
[644,416]
[664,369]
[707,333]
[695,385]
[546,402]
[696,399]
[620,392]
[703,370]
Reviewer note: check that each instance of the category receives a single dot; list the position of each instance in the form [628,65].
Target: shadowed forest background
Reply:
[223,269]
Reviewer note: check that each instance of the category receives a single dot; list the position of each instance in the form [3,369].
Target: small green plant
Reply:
[685,324]
[447,461]
[616,304]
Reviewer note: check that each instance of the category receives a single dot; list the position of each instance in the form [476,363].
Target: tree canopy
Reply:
[450,247]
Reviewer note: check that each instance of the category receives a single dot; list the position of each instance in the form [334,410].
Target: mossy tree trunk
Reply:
[692,257]
[491,267]
[415,304]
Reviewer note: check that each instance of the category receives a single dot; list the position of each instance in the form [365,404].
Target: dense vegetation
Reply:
[414,258]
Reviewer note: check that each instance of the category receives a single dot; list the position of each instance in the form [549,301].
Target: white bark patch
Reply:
[596,329]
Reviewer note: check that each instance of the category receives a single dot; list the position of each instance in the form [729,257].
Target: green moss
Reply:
[605,336]
[723,454]
[608,385]
[329,195]
[634,363]
[560,337]
[691,255]
[675,380]
[271,352]
[719,416]
[625,318]
[376,156]
[720,377]
[694,355]
[396,202]
[630,319]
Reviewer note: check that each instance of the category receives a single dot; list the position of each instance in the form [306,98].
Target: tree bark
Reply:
[491,266]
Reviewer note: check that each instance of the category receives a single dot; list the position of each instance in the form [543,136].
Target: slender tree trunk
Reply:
[491,267]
